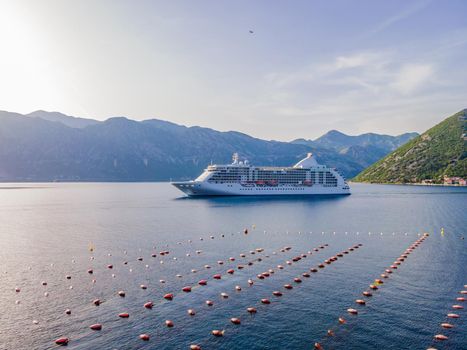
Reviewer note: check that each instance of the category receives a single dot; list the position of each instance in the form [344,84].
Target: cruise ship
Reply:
[307,177]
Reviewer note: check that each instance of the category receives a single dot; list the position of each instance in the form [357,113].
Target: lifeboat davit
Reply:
[218,333]
[352,311]
[62,341]
[265,301]
[251,310]
[144,337]
[277,293]
[447,325]
[169,296]
[124,315]
[186,289]
[235,320]
[441,337]
[217,276]
[169,323]
[96,327]
[149,305]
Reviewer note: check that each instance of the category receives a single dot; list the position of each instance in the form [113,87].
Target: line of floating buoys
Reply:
[378,282]
[451,316]
[266,301]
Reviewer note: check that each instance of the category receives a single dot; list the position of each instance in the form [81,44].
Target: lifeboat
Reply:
[277,293]
[453,315]
[144,337]
[209,303]
[96,327]
[235,320]
[251,310]
[360,301]
[265,301]
[288,286]
[352,311]
[169,296]
[62,341]
[446,325]
[191,312]
[124,315]
[169,323]
[441,337]
[217,333]
[203,282]
[149,305]
[186,289]
[217,276]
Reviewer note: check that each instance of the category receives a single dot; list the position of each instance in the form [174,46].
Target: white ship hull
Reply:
[307,177]
[197,188]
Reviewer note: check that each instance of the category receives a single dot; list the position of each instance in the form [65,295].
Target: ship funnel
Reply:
[307,162]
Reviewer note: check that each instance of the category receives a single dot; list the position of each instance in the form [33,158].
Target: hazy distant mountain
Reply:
[439,151]
[47,146]
[363,149]
[70,121]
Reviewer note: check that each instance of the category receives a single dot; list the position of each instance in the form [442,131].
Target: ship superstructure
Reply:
[239,178]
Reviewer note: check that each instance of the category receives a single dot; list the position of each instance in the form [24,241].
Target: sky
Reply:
[308,67]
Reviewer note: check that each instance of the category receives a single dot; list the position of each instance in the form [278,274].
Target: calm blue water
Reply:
[46,229]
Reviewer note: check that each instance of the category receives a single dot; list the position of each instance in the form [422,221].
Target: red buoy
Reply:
[62,341]
[203,282]
[149,305]
[96,327]
[235,320]
[231,271]
[186,289]
[124,315]
[169,296]
[217,276]
[144,337]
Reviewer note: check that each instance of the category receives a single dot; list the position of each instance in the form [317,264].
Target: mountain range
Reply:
[438,152]
[48,146]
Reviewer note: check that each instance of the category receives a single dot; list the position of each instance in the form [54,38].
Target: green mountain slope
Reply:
[439,151]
